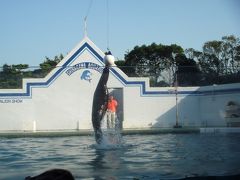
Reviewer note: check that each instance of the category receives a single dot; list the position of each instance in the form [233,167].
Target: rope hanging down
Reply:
[107,25]
[107,19]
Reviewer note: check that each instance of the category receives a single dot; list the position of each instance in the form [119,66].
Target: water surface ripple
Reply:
[163,156]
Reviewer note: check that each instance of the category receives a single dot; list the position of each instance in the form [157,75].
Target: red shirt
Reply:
[112,105]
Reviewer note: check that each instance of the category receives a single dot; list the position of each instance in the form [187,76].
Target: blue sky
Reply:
[33,29]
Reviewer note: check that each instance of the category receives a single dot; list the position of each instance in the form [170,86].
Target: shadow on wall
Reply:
[206,107]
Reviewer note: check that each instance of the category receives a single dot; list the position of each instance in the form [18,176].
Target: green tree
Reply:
[49,64]
[11,75]
[222,56]
[231,54]
[188,73]
[20,67]
[152,61]
[213,56]
[219,62]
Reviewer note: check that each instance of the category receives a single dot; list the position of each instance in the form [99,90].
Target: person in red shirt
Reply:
[111,112]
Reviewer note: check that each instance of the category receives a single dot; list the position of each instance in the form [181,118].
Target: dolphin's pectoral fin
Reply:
[100,112]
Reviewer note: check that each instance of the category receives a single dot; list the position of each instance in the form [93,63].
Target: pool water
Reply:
[162,156]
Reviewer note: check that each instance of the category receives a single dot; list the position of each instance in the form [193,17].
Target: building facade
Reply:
[63,99]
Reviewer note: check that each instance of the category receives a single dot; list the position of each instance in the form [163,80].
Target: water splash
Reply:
[112,138]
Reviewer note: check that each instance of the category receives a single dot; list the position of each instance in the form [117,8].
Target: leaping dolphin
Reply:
[99,106]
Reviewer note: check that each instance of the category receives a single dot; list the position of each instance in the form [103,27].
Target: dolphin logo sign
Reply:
[86,75]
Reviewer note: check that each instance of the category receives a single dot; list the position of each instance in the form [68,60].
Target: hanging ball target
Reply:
[109,60]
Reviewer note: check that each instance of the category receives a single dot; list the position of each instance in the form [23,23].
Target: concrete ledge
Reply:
[22,134]
[147,131]
[220,130]
[160,131]
[62,133]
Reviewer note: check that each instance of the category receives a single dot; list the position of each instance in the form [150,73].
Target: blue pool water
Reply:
[162,156]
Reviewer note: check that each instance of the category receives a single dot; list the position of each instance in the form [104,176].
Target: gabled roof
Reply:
[28,84]
[87,44]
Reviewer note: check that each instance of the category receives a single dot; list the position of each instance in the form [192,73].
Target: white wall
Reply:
[213,105]
[62,102]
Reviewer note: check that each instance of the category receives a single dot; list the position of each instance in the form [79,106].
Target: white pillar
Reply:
[78,126]
[34,126]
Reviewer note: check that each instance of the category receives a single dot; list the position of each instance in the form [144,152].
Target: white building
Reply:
[63,99]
